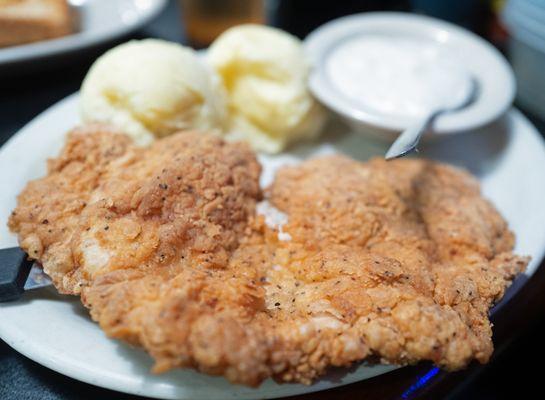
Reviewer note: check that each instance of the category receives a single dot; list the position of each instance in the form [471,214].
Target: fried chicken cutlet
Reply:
[399,261]
[108,205]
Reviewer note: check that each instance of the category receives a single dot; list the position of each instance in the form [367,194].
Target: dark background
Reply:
[28,90]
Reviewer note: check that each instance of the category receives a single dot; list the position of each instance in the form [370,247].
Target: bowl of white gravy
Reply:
[384,71]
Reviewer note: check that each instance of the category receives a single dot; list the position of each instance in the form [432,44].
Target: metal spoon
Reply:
[409,138]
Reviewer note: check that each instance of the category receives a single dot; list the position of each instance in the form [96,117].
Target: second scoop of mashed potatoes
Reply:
[152,88]
[265,75]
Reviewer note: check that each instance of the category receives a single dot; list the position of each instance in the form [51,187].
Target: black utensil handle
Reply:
[14,269]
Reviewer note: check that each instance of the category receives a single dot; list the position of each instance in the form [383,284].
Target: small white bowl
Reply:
[491,70]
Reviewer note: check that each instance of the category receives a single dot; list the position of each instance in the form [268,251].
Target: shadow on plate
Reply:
[477,151]
[45,293]
[188,383]
[49,293]
[511,291]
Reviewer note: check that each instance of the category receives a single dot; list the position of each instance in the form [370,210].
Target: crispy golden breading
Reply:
[108,205]
[399,260]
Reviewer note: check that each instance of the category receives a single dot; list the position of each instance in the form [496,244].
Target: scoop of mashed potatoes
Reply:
[152,88]
[265,75]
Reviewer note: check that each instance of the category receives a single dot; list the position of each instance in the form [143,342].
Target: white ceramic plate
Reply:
[489,67]
[99,21]
[56,331]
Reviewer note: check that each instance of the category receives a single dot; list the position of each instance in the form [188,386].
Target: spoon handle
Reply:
[409,138]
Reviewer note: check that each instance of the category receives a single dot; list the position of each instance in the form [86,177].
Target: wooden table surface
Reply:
[24,96]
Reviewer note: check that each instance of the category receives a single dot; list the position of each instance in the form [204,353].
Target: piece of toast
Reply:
[25,21]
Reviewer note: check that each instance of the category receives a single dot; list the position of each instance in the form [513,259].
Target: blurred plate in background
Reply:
[97,21]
